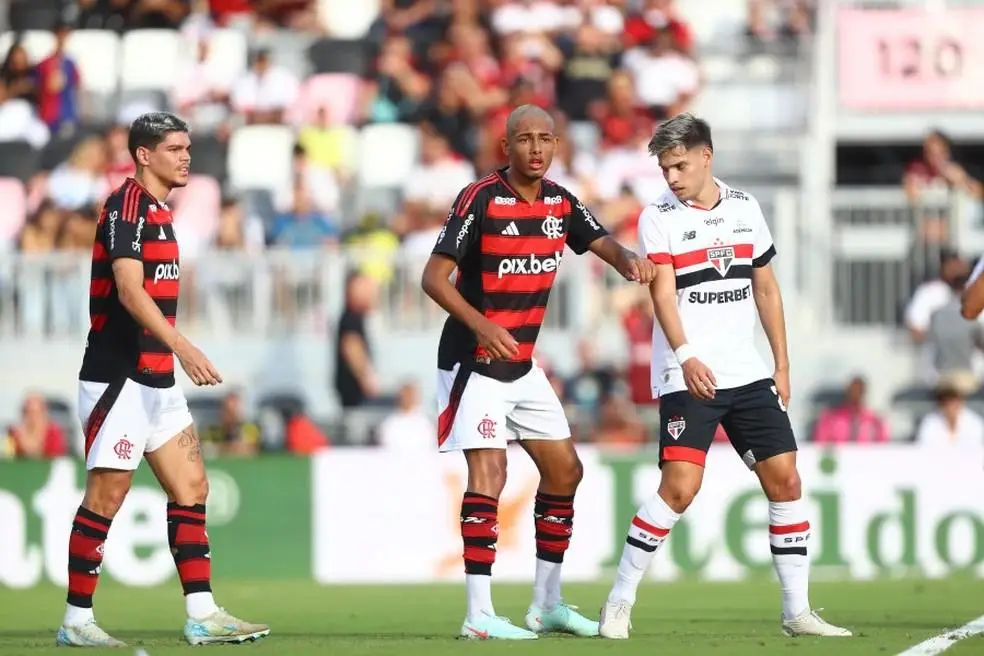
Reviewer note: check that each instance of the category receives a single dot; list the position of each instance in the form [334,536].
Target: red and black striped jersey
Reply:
[133,224]
[508,251]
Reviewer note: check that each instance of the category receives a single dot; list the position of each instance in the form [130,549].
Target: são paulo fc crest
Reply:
[721,256]
[675,427]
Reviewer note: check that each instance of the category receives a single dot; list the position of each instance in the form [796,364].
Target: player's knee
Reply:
[783,486]
[105,492]
[678,495]
[192,491]
[486,471]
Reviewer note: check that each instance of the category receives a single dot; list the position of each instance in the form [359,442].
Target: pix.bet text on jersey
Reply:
[507,252]
[133,224]
[713,253]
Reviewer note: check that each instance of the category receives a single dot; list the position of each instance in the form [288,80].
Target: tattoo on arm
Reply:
[188,439]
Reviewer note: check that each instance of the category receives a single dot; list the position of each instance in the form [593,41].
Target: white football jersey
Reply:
[713,253]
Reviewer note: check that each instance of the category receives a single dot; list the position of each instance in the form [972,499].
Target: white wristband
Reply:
[684,353]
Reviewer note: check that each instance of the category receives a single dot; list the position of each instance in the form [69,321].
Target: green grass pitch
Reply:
[680,618]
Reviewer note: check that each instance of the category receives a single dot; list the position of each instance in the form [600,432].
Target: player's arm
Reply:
[768,301]
[124,242]
[655,244]
[585,233]
[458,238]
[972,299]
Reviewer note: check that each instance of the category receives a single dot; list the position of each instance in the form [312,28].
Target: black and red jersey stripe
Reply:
[508,251]
[133,224]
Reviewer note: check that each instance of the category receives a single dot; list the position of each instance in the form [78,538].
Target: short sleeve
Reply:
[763,249]
[125,224]
[463,226]
[654,239]
[583,228]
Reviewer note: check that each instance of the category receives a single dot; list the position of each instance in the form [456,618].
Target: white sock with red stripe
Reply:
[647,533]
[789,536]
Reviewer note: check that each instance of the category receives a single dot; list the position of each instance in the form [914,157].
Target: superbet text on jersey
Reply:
[713,253]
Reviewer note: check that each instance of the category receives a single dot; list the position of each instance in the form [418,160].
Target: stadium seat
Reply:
[205,409]
[387,153]
[261,157]
[38,44]
[60,147]
[227,53]
[208,157]
[13,211]
[197,207]
[339,56]
[62,413]
[97,54]
[150,59]
[18,160]
[344,19]
[336,92]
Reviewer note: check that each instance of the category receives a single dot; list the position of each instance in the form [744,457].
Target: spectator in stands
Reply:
[326,146]
[396,89]
[35,436]
[19,121]
[409,427]
[937,168]
[933,318]
[59,86]
[447,111]
[81,181]
[851,421]
[952,423]
[666,79]
[416,19]
[638,325]
[156,14]
[592,384]
[265,92]
[120,164]
[233,435]
[429,191]
[201,90]
[355,376]
[41,230]
[319,183]
[590,61]
[16,75]
[769,20]
[619,424]
[655,17]
[303,225]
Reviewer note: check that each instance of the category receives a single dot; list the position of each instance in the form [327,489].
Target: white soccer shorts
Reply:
[122,421]
[478,412]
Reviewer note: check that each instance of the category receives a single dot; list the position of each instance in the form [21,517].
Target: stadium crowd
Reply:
[317,89]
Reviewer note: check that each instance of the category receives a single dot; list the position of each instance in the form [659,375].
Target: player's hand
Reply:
[496,340]
[699,379]
[197,366]
[635,268]
[782,387]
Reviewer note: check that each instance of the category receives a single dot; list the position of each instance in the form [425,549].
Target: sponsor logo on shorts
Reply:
[675,427]
[486,428]
[123,449]
[531,265]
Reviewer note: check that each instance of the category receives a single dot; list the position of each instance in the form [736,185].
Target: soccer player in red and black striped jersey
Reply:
[129,404]
[506,235]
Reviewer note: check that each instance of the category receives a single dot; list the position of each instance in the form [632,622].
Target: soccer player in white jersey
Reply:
[712,249]
[972,299]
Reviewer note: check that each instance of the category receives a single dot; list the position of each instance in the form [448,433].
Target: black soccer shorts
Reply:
[752,415]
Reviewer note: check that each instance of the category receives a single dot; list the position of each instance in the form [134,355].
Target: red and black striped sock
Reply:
[85,556]
[553,517]
[479,532]
[189,546]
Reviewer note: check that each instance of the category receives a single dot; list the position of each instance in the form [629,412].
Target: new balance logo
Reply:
[511,229]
